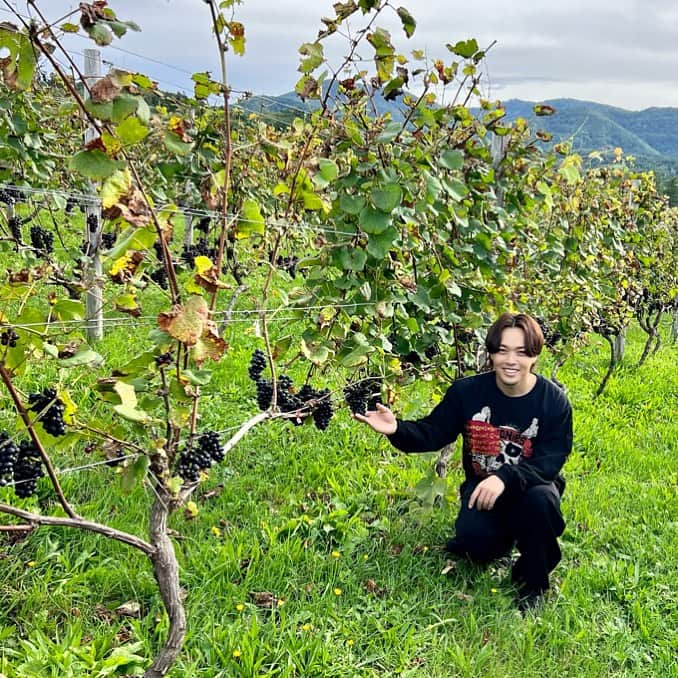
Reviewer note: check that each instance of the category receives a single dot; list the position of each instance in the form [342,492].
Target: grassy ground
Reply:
[311,556]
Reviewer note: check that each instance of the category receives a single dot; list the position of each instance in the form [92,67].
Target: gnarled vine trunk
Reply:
[166,568]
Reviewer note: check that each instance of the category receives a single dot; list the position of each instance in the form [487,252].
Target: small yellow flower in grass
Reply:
[337,591]
[336,554]
[307,627]
[281,602]
[365,556]
[216,531]
[240,607]
[493,590]
[350,642]
[31,563]
[236,654]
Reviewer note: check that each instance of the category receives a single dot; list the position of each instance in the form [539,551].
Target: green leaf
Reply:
[379,244]
[351,204]
[128,405]
[387,198]
[18,68]
[570,172]
[452,159]
[384,52]
[134,474]
[389,133]
[312,201]
[198,377]
[101,111]
[131,131]
[124,105]
[115,187]
[356,351]
[543,109]
[318,354]
[350,258]
[409,24]
[313,51]
[328,169]
[174,484]
[455,188]
[94,164]
[132,239]
[429,488]
[307,88]
[120,27]
[100,33]
[251,220]
[69,309]
[126,302]
[374,221]
[69,28]
[175,145]
[464,48]
[84,356]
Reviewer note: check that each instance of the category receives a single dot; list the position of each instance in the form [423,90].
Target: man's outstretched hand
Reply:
[382,420]
[486,493]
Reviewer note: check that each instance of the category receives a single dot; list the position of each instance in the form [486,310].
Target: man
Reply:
[517,432]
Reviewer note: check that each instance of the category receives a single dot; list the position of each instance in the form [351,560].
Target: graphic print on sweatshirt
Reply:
[492,446]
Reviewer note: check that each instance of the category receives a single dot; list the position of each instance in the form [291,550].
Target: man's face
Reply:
[512,365]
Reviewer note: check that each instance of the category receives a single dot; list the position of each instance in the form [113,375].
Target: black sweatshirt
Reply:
[523,440]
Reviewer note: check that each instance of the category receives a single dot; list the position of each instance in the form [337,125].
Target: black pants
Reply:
[531,521]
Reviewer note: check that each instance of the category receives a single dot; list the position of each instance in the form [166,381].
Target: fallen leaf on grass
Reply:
[449,566]
[264,599]
[463,596]
[372,587]
[129,609]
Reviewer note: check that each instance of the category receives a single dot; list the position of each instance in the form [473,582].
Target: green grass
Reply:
[328,524]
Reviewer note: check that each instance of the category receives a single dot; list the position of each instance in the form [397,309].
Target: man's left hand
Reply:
[486,493]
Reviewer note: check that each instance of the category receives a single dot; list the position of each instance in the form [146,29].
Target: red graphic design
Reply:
[490,447]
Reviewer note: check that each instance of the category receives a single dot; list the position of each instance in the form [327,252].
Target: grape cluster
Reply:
[159,277]
[322,412]
[210,442]
[157,246]
[163,360]
[108,240]
[27,469]
[264,394]
[92,222]
[6,197]
[11,195]
[14,224]
[199,457]
[50,410]
[288,264]
[363,395]
[257,364]
[551,336]
[42,240]
[71,202]
[9,453]
[9,338]
[288,398]
[200,249]
[203,225]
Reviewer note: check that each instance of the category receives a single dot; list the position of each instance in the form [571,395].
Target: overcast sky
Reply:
[618,52]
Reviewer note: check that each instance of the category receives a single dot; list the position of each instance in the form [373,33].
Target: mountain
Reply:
[648,134]
[591,126]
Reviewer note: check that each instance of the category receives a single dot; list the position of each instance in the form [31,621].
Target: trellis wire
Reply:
[181,210]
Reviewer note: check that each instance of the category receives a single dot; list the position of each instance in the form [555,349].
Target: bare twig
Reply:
[82,524]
